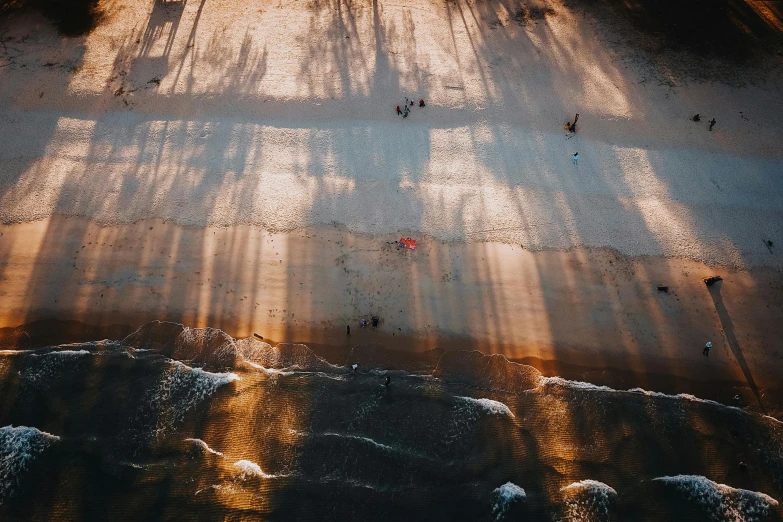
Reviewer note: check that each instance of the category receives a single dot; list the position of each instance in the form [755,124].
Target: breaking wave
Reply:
[489,406]
[719,501]
[588,500]
[504,497]
[18,447]
[449,429]
[203,447]
[247,469]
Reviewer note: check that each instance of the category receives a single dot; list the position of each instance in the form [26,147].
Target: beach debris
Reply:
[768,244]
[664,289]
[407,243]
[259,336]
[709,281]
[697,118]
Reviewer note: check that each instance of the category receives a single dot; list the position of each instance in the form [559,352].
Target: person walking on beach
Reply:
[405,111]
[399,111]
[712,124]
[706,351]
[348,329]
[576,158]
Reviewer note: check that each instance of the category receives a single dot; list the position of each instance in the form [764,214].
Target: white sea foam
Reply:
[62,353]
[489,406]
[43,370]
[586,386]
[575,385]
[18,447]
[248,469]
[204,446]
[268,371]
[372,442]
[589,485]
[368,440]
[180,389]
[588,500]
[504,497]
[722,502]
[683,396]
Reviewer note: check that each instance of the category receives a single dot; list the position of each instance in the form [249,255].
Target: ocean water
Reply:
[174,423]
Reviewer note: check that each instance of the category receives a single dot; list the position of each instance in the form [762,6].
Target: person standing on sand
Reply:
[576,158]
[572,127]
[712,124]
[348,329]
[399,111]
[706,351]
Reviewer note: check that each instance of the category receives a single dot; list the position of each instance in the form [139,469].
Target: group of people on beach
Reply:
[571,127]
[697,118]
[363,323]
[406,107]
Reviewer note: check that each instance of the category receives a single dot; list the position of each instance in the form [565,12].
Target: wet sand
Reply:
[588,314]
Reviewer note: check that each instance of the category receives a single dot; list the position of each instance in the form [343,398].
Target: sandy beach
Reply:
[239,168]
[176,164]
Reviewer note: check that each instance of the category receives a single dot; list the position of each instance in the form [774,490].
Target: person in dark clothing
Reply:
[706,350]
[697,118]
[572,127]
[388,381]
[375,320]
[712,123]
[421,103]
[348,329]
[399,111]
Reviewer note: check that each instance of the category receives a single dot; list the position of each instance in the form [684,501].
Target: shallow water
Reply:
[176,423]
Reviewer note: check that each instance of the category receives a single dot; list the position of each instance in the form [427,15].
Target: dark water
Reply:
[184,424]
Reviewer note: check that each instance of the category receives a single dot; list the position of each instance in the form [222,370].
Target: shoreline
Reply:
[406,356]
[568,313]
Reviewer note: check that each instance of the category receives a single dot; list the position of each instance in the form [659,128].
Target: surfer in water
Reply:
[388,381]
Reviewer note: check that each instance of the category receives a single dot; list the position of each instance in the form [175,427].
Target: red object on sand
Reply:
[408,243]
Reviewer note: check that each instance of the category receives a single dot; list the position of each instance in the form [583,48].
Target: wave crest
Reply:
[720,501]
[18,447]
[504,497]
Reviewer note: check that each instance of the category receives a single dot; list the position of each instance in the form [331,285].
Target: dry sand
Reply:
[264,136]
